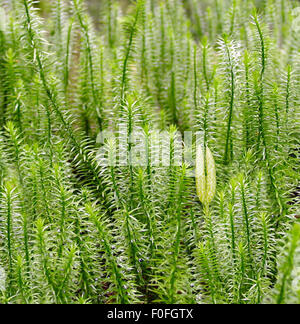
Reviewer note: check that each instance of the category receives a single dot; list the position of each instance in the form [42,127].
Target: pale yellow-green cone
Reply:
[3,20]
[206,185]
[200,174]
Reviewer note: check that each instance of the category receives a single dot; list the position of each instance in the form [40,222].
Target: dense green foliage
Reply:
[76,230]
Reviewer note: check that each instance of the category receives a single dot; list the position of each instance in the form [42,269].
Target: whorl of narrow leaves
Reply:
[288,288]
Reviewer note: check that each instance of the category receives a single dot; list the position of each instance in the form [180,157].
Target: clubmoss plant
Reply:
[149,153]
